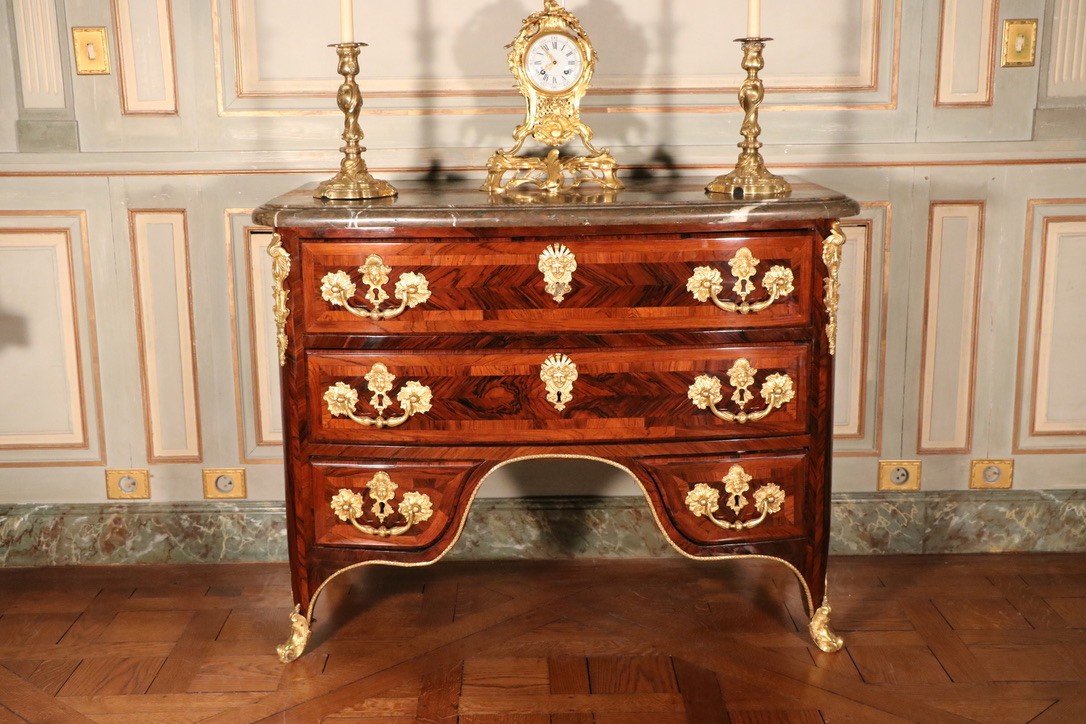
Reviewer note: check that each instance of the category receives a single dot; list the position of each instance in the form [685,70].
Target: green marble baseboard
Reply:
[205,532]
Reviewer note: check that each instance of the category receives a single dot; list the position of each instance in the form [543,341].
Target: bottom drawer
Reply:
[734,498]
[381,505]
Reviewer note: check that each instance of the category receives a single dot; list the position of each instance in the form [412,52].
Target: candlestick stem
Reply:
[354,180]
[751,178]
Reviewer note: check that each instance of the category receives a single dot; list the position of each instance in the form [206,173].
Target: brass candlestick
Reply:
[751,178]
[354,180]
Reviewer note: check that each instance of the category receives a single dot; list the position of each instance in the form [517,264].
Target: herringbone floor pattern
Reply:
[930,639]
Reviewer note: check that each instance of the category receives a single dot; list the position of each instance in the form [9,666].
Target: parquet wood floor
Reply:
[929,639]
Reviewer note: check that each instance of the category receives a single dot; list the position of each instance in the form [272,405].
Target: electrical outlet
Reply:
[91,51]
[128,484]
[224,483]
[1019,43]
[991,475]
[898,475]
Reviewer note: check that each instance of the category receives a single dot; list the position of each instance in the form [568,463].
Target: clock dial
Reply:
[554,63]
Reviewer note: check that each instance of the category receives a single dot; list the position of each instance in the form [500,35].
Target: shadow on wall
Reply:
[550,477]
[623,50]
[14,331]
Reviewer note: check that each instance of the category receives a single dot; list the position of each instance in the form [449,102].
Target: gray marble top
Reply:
[462,204]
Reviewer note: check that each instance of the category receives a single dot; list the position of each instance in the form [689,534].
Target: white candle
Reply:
[346,21]
[754,18]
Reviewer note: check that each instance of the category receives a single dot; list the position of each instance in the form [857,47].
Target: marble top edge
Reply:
[463,204]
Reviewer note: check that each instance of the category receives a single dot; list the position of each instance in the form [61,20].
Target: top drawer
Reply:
[584,284]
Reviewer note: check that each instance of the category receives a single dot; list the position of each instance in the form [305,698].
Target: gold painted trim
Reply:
[280,294]
[884,310]
[92,339]
[993,36]
[686,84]
[252,299]
[76,359]
[229,217]
[793,166]
[1043,284]
[298,630]
[832,247]
[864,277]
[172,56]
[1023,330]
[876,63]
[921,449]
[145,383]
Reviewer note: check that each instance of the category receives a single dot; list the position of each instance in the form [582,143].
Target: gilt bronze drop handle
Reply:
[707,392]
[412,289]
[708,283]
[414,398]
[704,500]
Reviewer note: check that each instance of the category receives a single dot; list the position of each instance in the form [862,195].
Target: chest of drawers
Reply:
[427,340]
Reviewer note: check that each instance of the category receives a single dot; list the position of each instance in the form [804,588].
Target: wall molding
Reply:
[237,54]
[78,254]
[536,528]
[130,71]
[948,58]
[1035,284]
[149,300]
[969,274]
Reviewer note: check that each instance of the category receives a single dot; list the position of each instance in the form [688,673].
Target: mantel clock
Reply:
[552,60]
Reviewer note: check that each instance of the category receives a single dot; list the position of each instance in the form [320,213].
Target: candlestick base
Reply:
[354,182]
[750,178]
[356,186]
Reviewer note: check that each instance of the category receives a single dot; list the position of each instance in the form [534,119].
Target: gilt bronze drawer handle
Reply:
[707,283]
[558,374]
[413,508]
[707,392]
[704,500]
[557,263]
[412,290]
[414,399]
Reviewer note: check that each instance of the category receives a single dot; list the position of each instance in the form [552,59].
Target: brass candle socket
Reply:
[354,180]
[750,178]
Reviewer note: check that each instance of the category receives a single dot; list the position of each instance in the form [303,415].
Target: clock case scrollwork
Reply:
[552,118]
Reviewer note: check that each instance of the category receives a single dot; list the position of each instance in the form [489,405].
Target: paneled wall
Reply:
[135,322]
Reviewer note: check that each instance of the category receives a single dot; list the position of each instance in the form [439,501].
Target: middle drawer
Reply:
[558,395]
